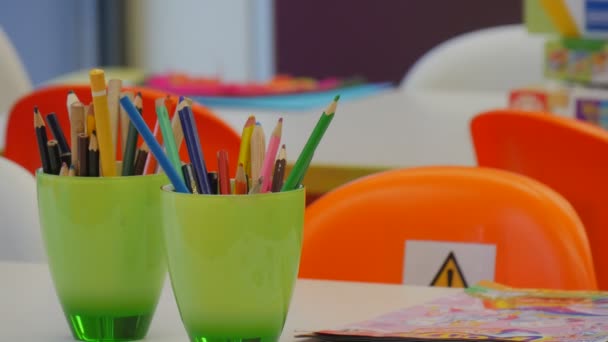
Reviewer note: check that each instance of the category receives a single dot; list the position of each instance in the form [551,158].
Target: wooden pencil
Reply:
[77,126]
[271,153]
[64,147]
[90,110]
[223,170]
[128,156]
[257,186]
[93,159]
[82,168]
[140,159]
[42,140]
[72,171]
[258,151]
[114,87]
[54,157]
[124,121]
[240,181]
[279,170]
[64,169]
[70,100]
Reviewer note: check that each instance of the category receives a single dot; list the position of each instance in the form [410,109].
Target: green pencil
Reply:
[168,138]
[301,166]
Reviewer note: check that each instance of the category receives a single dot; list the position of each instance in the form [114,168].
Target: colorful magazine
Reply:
[489,312]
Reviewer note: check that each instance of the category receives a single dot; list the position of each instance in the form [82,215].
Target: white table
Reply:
[30,311]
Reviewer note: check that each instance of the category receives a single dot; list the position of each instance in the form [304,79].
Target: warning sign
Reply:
[448,264]
[449,274]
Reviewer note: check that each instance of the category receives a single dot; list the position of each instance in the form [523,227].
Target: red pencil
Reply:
[223,173]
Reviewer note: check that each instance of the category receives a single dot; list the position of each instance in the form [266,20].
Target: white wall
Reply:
[202,37]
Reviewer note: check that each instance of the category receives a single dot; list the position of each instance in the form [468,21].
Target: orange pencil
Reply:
[240,181]
[223,172]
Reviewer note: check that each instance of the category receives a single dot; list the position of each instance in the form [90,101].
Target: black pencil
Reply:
[58,134]
[82,169]
[140,160]
[54,159]
[213,183]
[190,178]
[42,139]
[93,158]
[279,171]
[66,157]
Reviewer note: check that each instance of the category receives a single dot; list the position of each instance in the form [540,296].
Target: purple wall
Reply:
[377,39]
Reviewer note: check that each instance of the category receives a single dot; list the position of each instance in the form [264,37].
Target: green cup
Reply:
[104,245]
[233,261]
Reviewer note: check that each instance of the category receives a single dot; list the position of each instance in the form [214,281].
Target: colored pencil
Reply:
[128,156]
[190,178]
[151,165]
[223,170]
[93,158]
[167,134]
[42,140]
[240,181]
[107,150]
[154,146]
[63,171]
[82,166]
[213,183]
[71,99]
[279,170]
[176,127]
[72,171]
[124,121]
[54,159]
[258,150]
[66,158]
[90,110]
[271,153]
[55,127]
[245,148]
[194,147]
[77,126]
[140,159]
[257,186]
[114,87]
[301,166]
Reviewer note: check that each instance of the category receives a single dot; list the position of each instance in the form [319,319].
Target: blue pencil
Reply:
[58,133]
[154,146]
[194,149]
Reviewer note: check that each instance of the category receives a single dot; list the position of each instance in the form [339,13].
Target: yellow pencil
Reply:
[90,119]
[245,148]
[107,151]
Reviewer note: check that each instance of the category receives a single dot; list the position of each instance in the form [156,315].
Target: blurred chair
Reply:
[21,141]
[14,81]
[567,155]
[498,58]
[20,238]
[358,231]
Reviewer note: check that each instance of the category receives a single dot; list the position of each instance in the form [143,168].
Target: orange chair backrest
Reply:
[569,156]
[20,145]
[359,231]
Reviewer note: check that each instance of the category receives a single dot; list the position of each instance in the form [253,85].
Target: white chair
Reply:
[14,81]
[496,59]
[20,237]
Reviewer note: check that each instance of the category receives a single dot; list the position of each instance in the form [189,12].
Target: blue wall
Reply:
[51,37]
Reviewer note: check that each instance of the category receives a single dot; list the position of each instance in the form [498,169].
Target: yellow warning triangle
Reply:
[449,275]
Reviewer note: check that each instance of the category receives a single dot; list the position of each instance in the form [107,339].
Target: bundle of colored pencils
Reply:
[94,130]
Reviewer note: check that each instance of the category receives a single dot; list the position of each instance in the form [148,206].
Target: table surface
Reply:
[30,311]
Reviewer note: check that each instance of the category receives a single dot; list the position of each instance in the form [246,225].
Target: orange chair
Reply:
[358,231]
[20,145]
[568,155]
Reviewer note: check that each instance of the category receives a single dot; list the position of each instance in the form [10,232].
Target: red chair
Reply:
[567,155]
[20,145]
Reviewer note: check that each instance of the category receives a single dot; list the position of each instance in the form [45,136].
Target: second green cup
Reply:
[104,245]
[233,261]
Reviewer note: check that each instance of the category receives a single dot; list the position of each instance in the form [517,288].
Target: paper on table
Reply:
[489,312]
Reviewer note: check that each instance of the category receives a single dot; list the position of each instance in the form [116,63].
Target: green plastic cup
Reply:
[104,244]
[233,261]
